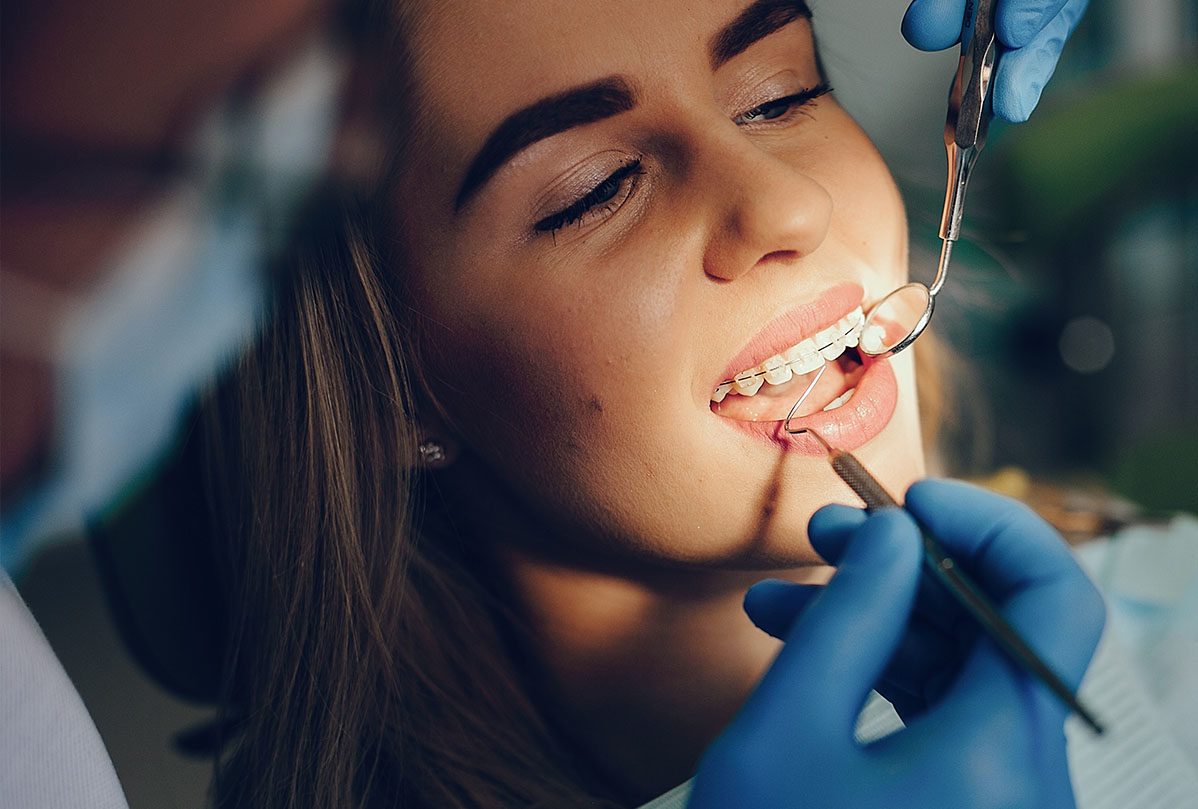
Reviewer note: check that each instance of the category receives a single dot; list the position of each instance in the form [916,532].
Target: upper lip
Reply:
[793,326]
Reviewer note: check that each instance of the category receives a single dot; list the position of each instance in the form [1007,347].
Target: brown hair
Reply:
[371,661]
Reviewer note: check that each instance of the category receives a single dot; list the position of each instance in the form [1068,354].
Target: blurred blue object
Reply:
[1033,33]
[180,301]
[1149,574]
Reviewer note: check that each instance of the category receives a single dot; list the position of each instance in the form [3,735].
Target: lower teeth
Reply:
[838,401]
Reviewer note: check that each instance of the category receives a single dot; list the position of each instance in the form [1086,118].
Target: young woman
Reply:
[493,507]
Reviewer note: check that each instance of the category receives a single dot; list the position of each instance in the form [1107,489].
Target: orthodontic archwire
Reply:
[795,407]
[762,372]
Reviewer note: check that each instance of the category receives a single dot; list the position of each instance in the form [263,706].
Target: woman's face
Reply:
[606,210]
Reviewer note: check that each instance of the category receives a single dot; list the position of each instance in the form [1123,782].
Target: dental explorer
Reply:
[969,112]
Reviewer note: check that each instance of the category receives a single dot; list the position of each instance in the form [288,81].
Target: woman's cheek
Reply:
[865,192]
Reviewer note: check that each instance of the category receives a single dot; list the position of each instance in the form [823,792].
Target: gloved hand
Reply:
[980,731]
[1032,33]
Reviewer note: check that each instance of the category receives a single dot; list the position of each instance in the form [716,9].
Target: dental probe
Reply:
[962,588]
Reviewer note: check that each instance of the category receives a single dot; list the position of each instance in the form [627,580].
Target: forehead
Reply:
[474,63]
[521,47]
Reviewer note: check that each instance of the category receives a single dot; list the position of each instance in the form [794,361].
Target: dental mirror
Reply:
[895,321]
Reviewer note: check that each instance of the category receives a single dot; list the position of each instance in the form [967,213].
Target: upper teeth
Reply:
[803,358]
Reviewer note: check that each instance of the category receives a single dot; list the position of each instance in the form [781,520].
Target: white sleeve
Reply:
[51,755]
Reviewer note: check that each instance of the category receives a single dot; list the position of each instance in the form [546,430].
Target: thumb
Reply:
[840,646]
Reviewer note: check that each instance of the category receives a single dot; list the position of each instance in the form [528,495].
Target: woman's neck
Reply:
[642,665]
[644,673]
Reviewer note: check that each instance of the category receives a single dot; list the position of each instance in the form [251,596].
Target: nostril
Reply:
[780,255]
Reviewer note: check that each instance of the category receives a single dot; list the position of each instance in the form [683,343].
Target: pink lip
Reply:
[847,427]
[799,323]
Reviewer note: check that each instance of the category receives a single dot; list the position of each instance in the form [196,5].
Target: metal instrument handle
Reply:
[968,110]
[968,119]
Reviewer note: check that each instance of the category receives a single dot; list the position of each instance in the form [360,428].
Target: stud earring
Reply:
[432,454]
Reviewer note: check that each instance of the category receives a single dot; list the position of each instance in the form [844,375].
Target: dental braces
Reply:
[847,339]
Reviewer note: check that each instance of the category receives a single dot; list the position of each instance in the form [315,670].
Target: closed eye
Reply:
[603,198]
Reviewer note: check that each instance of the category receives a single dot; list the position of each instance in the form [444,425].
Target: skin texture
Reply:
[575,368]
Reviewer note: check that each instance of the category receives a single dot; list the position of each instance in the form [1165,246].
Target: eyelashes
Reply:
[603,198]
[782,109]
[610,194]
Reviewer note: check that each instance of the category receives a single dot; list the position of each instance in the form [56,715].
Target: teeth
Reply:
[806,359]
[777,372]
[872,338]
[831,343]
[747,382]
[849,326]
[803,358]
[839,400]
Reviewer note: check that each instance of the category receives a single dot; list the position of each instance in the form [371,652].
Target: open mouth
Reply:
[768,391]
[850,404]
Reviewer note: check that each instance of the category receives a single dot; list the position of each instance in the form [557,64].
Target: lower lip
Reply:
[847,427]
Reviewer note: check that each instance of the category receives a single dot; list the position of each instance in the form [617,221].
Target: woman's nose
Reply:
[764,210]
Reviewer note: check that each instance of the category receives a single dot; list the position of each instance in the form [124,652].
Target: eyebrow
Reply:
[542,119]
[754,23]
[611,95]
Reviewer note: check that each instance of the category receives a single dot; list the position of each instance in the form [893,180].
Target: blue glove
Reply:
[980,732]
[1032,33]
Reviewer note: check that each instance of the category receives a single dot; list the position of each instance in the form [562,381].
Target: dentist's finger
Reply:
[1001,542]
[773,605]
[1018,22]
[1023,564]
[839,647]
[1022,73]
[830,529]
[933,25]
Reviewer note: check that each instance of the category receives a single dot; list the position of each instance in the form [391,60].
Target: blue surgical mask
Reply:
[177,303]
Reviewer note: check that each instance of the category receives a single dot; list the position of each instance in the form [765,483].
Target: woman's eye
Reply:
[766,112]
[603,198]
[783,107]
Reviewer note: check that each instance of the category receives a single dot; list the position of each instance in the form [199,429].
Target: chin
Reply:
[895,457]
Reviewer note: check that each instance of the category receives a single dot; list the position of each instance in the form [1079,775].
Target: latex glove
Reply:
[1032,33]
[989,735]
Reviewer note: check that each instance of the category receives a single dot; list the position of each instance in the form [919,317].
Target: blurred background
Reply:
[1079,258]
[154,156]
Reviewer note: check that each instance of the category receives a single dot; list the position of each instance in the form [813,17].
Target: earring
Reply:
[432,453]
